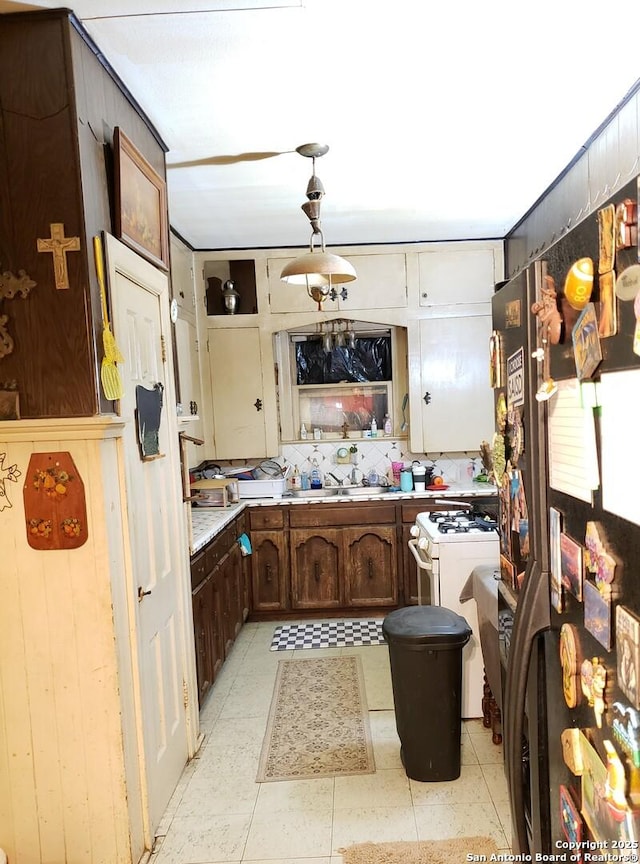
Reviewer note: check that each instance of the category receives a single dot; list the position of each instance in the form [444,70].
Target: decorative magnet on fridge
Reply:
[593,678]
[606,238]
[571,565]
[626,224]
[571,750]
[608,307]
[626,730]
[555,566]
[570,660]
[628,654]
[597,560]
[587,351]
[578,283]
[570,820]
[597,614]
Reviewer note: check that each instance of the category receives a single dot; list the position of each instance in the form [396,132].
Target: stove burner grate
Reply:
[457,522]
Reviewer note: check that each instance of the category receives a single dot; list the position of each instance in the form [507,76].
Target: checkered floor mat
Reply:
[327,634]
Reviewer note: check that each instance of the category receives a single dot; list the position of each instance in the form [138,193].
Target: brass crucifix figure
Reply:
[59,245]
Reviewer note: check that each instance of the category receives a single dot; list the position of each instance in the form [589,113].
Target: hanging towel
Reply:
[245,544]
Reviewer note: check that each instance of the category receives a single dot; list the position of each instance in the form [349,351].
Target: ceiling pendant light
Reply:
[318,270]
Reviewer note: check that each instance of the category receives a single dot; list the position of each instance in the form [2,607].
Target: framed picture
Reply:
[140,203]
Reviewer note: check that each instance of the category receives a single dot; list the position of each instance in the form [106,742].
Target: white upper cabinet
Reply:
[451,396]
[456,276]
[182,282]
[381,284]
[237,393]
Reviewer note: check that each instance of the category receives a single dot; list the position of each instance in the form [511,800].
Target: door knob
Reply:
[142,593]
[258,404]
[427,398]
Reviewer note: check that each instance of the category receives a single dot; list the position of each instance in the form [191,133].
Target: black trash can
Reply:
[425,653]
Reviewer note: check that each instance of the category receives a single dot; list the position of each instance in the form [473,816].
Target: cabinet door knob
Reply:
[258,404]
[370,563]
[427,398]
[316,571]
[142,593]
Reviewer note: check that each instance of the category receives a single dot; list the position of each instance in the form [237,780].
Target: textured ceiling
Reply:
[444,121]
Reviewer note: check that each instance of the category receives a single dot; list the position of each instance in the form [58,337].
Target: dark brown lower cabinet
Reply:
[221,600]
[370,566]
[316,560]
[333,558]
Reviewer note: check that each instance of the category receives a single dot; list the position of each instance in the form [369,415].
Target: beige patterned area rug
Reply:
[318,721]
[422,852]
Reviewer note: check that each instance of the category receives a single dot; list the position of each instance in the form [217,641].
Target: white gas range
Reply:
[447,545]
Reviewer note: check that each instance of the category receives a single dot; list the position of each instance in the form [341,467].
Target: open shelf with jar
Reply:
[230,287]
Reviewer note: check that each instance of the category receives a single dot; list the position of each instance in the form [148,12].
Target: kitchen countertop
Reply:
[207,522]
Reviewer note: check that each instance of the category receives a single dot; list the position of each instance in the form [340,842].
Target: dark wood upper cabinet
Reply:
[59,105]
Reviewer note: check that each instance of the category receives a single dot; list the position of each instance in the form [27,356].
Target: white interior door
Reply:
[158,592]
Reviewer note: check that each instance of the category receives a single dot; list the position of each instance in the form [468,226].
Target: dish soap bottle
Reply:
[296,480]
[387,425]
[315,476]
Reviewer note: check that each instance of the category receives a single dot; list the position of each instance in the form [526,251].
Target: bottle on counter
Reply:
[388,425]
[374,427]
[315,476]
[296,480]
[304,480]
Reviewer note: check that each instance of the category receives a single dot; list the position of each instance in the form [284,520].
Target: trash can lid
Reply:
[435,626]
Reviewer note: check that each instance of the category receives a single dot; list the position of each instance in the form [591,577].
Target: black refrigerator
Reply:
[565,366]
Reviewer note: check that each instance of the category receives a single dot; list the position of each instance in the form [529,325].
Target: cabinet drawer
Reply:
[198,569]
[263,518]
[410,511]
[365,513]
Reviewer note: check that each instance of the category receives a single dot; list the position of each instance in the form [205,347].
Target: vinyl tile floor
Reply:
[219,814]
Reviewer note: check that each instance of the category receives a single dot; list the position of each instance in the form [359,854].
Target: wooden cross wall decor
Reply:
[59,245]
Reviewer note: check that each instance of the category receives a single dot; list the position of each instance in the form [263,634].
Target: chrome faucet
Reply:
[337,479]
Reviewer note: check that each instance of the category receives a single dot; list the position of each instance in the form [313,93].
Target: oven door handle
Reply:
[422,564]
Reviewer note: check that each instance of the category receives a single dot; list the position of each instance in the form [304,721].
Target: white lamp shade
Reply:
[317,269]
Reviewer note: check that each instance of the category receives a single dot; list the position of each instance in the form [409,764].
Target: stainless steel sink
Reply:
[362,490]
[325,492]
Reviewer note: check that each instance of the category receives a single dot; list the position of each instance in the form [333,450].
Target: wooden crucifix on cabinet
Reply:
[59,245]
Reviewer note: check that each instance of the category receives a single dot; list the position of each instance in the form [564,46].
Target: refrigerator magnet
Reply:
[571,565]
[555,568]
[570,660]
[626,227]
[578,284]
[608,307]
[625,726]
[593,679]
[628,654]
[606,238]
[570,818]
[587,350]
[597,614]
[606,816]
[597,560]
[572,750]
